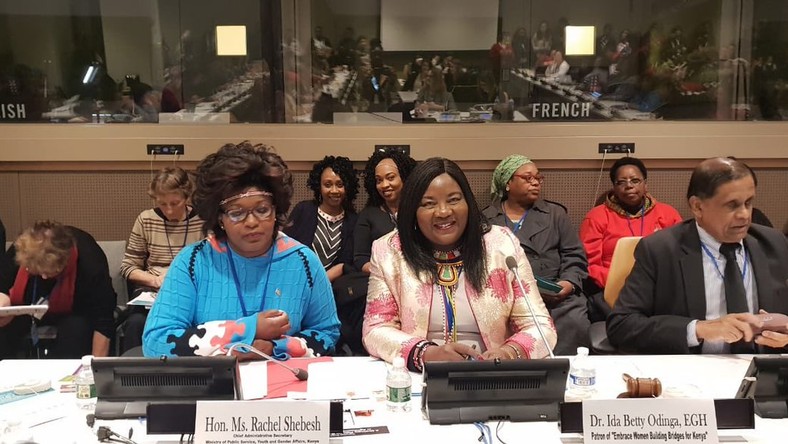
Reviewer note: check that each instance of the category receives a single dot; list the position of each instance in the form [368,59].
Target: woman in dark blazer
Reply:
[326,223]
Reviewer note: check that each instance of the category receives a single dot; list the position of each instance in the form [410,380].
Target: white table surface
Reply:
[682,376]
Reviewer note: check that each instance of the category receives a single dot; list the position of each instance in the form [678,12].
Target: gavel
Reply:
[641,387]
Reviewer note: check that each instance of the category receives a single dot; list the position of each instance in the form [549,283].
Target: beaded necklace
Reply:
[449,265]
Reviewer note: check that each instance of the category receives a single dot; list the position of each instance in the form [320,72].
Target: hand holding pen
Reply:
[451,352]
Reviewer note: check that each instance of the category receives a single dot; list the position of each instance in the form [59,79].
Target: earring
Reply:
[507,188]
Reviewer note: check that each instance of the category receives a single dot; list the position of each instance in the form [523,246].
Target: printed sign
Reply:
[261,422]
[649,421]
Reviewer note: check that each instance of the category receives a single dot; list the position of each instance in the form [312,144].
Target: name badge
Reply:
[261,422]
[649,421]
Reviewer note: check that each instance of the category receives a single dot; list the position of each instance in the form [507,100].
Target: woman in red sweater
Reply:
[628,210]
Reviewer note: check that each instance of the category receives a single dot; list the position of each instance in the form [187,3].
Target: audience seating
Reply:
[620,267]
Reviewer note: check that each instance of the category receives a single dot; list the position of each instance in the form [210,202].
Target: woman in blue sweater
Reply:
[247,282]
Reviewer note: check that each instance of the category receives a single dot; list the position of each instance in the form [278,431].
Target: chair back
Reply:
[620,266]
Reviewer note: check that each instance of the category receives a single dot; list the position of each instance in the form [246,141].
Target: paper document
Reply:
[145,299]
[16,310]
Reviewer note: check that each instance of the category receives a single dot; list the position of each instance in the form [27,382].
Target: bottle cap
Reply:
[582,351]
[87,360]
[399,362]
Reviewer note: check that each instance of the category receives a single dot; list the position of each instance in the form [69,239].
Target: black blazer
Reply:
[665,290]
[303,224]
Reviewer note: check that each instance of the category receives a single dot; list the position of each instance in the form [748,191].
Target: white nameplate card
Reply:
[649,420]
[261,422]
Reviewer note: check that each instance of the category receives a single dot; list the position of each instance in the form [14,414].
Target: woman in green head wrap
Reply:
[550,242]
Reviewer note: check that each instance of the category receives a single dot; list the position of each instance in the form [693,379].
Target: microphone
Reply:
[511,263]
[299,373]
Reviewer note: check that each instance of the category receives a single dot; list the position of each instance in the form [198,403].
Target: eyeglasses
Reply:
[261,213]
[623,182]
[530,179]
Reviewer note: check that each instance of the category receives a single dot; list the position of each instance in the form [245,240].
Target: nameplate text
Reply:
[649,421]
[261,422]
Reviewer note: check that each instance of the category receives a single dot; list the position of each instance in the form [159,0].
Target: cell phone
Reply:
[375,83]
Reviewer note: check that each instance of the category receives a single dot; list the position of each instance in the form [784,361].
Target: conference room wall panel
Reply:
[106,202]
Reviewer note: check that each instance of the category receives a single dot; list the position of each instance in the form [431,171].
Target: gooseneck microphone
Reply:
[299,373]
[511,263]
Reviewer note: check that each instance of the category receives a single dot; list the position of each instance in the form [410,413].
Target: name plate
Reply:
[261,422]
[649,421]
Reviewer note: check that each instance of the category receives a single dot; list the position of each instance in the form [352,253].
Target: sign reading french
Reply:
[261,422]
[649,420]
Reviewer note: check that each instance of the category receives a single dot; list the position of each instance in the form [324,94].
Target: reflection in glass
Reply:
[110,61]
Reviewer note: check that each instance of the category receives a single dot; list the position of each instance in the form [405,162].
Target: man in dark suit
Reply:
[684,296]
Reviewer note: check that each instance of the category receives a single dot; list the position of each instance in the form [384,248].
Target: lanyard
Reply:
[717,266]
[185,236]
[515,226]
[238,282]
[642,221]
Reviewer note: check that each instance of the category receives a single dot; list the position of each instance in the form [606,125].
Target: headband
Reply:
[249,193]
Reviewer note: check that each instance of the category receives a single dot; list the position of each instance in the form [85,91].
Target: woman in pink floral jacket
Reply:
[439,288]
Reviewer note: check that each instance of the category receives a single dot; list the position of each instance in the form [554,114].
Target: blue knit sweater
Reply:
[198,311]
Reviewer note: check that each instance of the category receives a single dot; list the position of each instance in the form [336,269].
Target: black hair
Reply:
[343,168]
[405,165]
[624,161]
[713,173]
[752,172]
[416,248]
[234,168]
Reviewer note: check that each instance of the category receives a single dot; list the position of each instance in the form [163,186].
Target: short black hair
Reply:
[415,246]
[624,161]
[343,168]
[234,168]
[405,165]
[712,173]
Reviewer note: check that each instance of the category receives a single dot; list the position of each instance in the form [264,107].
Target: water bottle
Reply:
[582,375]
[398,384]
[86,385]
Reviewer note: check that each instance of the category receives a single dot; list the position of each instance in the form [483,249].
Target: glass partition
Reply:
[391,61]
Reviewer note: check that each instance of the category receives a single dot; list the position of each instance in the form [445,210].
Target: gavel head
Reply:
[643,387]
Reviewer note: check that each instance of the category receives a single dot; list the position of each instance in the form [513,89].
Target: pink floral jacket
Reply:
[398,301]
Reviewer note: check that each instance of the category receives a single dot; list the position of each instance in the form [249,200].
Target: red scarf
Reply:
[62,297]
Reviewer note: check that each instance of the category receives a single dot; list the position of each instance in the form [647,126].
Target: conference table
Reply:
[53,417]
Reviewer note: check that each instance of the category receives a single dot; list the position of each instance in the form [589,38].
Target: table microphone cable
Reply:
[299,373]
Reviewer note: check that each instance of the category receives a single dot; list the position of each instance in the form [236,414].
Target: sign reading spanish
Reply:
[261,422]
[649,421]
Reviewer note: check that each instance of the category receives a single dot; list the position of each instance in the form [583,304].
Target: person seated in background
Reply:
[558,69]
[64,268]
[440,288]
[326,223]
[629,210]
[246,282]
[157,236]
[433,95]
[554,251]
[384,174]
[695,287]
[596,80]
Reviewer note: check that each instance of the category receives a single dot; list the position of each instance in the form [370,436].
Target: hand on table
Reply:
[450,352]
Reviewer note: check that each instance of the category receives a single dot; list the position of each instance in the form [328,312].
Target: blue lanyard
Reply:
[642,221]
[515,226]
[717,266]
[238,282]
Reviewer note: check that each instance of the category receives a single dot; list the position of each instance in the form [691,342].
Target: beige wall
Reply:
[95,176]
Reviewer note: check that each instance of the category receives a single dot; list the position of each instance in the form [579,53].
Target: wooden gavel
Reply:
[641,387]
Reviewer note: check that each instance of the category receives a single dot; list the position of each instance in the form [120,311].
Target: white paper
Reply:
[17,310]
[253,380]
[145,299]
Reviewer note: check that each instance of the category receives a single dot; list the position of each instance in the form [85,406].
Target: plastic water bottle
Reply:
[86,385]
[582,375]
[398,384]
